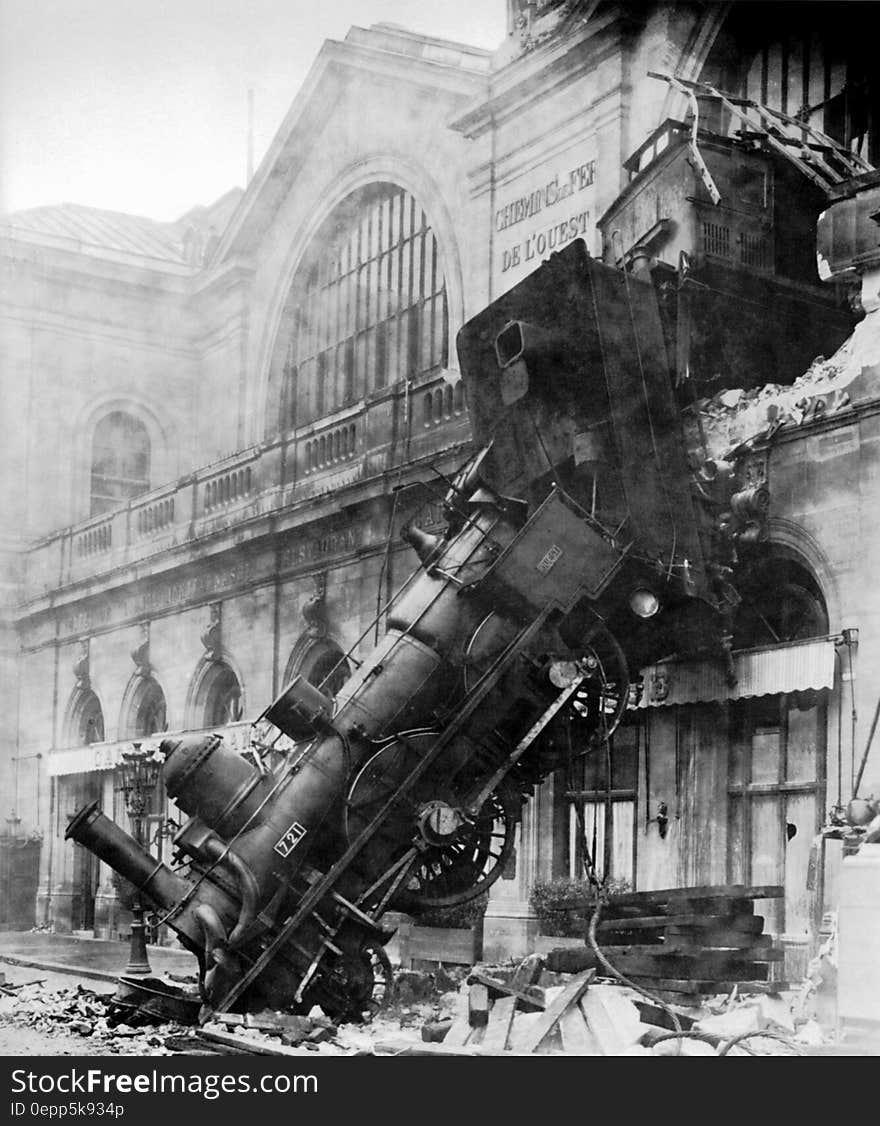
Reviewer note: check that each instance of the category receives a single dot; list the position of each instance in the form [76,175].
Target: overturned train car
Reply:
[580,543]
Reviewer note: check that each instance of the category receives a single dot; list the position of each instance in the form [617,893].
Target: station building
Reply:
[211,424]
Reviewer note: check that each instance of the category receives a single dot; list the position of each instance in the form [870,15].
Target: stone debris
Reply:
[80,1011]
[486,1014]
[735,417]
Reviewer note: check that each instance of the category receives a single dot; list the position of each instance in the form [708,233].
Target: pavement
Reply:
[88,958]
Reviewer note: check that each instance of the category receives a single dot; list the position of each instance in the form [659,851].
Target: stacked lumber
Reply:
[691,941]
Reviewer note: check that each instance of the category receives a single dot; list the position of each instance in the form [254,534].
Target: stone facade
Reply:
[260,506]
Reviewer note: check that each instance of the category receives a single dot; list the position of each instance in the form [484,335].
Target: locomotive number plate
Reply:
[550,559]
[290,840]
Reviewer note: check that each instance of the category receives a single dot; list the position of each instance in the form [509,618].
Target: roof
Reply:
[107,230]
[93,230]
[794,667]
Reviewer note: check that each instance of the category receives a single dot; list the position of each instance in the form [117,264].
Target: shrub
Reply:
[563,906]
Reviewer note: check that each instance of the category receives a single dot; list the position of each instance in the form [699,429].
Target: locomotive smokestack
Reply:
[96,832]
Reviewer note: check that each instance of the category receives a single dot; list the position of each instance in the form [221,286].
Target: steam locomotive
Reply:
[581,540]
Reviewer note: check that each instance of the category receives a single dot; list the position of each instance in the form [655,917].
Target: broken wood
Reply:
[529,1002]
[612,1019]
[753,924]
[458,1032]
[258,1048]
[576,1039]
[500,1020]
[478,1005]
[715,891]
[543,1023]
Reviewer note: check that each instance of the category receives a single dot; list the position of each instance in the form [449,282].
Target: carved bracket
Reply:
[81,665]
[212,635]
[314,610]
[141,652]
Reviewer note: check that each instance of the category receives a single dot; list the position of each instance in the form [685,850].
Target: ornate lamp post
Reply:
[140,776]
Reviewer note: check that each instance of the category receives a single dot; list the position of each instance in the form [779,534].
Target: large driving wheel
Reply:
[456,857]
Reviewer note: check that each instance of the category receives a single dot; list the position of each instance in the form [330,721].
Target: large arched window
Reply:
[120,461]
[367,306]
[147,710]
[88,720]
[222,697]
[323,664]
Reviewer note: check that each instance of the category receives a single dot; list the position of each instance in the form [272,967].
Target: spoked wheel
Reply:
[471,862]
[359,986]
[457,858]
[371,982]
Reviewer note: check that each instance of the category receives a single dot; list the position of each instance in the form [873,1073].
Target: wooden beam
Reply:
[544,1022]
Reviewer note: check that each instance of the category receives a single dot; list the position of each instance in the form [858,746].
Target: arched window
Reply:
[120,461]
[222,698]
[326,668]
[367,307]
[780,602]
[147,710]
[88,720]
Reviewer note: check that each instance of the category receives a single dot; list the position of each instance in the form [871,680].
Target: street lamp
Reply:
[140,776]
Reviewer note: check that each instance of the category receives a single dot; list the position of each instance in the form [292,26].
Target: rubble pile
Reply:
[733,417]
[511,1008]
[81,1012]
[532,1010]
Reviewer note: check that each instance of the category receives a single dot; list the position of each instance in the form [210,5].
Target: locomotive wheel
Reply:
[453,873]
[367,989]
[446,871]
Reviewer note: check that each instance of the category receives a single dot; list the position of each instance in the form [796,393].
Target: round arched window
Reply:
[780,602]
[366,308]
[148,710]
[120,461]
[223,703]
[88,720]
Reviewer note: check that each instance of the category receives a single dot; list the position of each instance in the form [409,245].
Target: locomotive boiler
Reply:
[580,542]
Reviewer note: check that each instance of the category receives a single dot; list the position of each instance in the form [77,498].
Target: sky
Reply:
[141,105]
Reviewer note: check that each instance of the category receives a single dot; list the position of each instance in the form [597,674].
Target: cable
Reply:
[594,946]
[725,1048]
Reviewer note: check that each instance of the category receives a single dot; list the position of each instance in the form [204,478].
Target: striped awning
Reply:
[797,666]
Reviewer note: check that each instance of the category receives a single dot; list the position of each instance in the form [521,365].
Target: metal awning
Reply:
[797,666]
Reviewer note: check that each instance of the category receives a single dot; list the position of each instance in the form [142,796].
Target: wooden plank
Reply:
[531,1002]
[612,1019]
[684,949]
[500,1020]
[242,1043]
[714,891]
[417,1048]
[678,988]
[544,1022]
[727,908]
[707,966]
[753,924]
[660,1018]
[457,1035]
[478,1005]
[576,1037]
[716,940]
